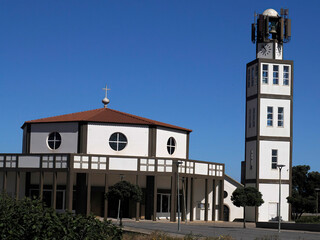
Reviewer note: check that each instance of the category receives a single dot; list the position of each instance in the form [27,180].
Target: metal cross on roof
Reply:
[106,89]
[106,101]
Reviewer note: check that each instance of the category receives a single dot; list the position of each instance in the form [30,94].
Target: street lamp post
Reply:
[317,202]
[119,204]
[280,166]
[178,163]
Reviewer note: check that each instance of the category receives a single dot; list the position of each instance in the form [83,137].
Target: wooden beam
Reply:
[173,198]
[5,176]
[137,203]
[191,198]
[69,190]
[54,190]
[41,185]
[155,192]
[88,193]
[17,184]
[106,189]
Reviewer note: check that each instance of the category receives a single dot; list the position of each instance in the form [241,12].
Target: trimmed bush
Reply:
[308,219]
[28,219]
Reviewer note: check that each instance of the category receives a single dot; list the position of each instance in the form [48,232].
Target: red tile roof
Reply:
[105,115]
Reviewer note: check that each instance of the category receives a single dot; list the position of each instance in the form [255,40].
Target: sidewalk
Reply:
[215,229]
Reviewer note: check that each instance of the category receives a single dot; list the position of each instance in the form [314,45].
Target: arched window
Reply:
[171,145]
[54,140]
[118,141]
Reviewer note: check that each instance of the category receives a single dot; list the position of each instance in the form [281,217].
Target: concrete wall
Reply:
[163,134]
[235,212]
[268,209]
[99,134]
[275,130]
[199,191]
[271,88]
[40,132]
[251,160]
[252,88]
[252,118]
[265,171]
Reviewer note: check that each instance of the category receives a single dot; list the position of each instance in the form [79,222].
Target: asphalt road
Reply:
[216,229]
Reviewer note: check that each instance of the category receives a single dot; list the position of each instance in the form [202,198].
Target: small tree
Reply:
[246,196]
[124,190]
[303,198]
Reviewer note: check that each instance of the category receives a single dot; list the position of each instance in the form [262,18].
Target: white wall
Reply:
[253,89]
[270,195]
[163,134]
[265,171]
[271,88]
[251,172]
[198,194]
[235,212]
[274,130]
[99,134]
[40,132]
[252,130]
[210,199]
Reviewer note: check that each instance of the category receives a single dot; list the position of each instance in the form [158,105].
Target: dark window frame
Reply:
[118,141]
[54,140]
[171,145]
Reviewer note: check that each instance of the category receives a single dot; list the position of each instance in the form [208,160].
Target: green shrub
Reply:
[28,219]
[308,219]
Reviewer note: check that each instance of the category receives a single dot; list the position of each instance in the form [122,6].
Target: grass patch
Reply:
[157,235]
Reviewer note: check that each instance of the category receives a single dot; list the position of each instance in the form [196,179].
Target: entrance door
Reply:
[226,212]
[273,210]
[163,205]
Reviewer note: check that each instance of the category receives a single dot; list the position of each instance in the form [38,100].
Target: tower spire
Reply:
[106,101]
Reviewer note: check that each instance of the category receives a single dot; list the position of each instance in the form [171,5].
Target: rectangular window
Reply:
[286,75]
[280,116]
[249,118]
[270,117]
[275,74]
[274,162]
[252,77]
[265,73]
[248,77]
[253,117]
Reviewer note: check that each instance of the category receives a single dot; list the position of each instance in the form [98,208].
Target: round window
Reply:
[225,194]
[54,140]
[118,141]
[171,145]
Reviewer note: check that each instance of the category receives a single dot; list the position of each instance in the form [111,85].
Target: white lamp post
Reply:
[119,204]
[280,166]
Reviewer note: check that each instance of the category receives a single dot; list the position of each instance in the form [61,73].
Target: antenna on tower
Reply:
[253,28]
[106,101]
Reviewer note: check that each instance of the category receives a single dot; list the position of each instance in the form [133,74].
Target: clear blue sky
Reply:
[179,62]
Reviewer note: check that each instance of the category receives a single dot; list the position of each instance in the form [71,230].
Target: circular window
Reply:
[54,140]
[118,141]
[171,145]
[225,194]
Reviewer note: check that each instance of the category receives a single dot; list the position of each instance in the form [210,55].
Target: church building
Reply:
[70,161]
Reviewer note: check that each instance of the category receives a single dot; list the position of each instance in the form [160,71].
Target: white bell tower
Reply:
[268,136]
